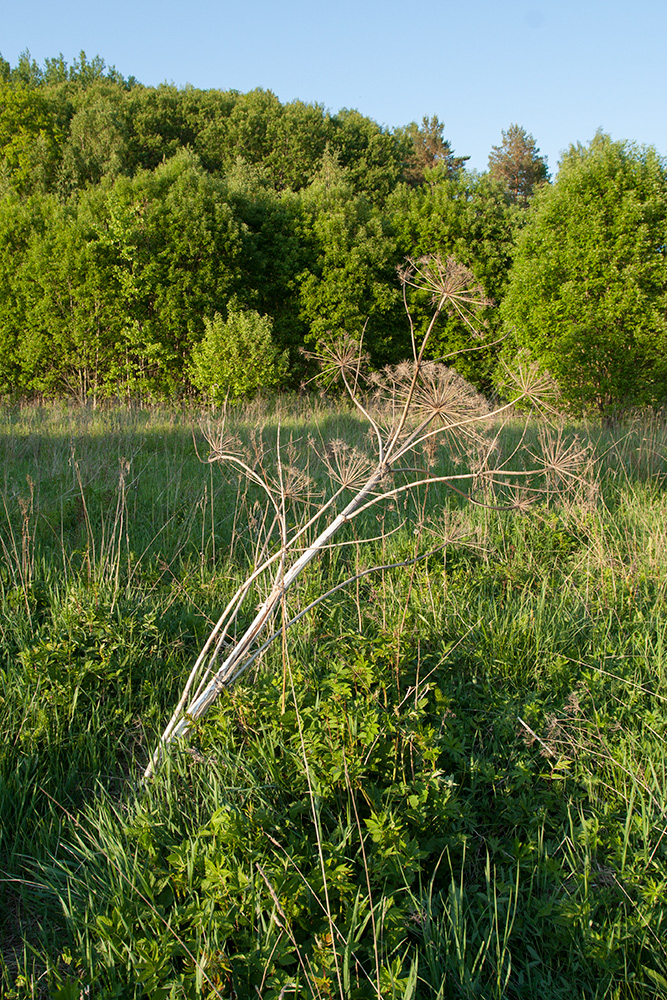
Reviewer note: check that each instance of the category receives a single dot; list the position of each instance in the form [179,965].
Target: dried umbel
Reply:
[409,408]
[341,356]
[563,462]
[433,391]
[523,380]
[347,465]
[221,443]
[450,284]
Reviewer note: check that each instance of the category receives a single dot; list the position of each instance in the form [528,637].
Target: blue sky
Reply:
[560,70]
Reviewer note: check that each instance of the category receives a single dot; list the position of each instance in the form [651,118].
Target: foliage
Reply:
[176,249]
[107,281]
[470,218]
[237,357]
[70,321]
[130,213]
[517,164]
[470,760]
[20,220]
[29,136]
[351,282]
[97,143]
[587,290]
[372,155]
[278,243]
[430,152]
[111,287]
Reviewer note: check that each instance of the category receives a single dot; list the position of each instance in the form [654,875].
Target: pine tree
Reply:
[517,163]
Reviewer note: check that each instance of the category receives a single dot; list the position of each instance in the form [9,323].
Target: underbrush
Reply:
[448,782]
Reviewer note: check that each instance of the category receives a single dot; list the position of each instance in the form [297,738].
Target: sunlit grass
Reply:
[483,733]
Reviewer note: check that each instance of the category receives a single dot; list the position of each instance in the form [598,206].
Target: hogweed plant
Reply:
[413,412]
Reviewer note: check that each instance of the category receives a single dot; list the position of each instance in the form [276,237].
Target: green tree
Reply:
[372,155]
[237,357]
[248,127]
[106,293]
[74,317]
[298,137]
[517,164]
[177,251]
[59,313]
[278,245]
[21,222]
[29,136]
[429,150]
[471,218]
[163,120]
[351,282]
[86,72]
[27,72]
[97,144]
[588,288]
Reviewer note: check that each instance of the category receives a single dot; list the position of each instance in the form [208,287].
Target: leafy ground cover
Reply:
[448,782]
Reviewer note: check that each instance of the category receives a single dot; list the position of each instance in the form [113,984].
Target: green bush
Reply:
[237,357]
[586,294]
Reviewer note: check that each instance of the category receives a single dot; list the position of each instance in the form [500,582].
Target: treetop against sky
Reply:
[561,71]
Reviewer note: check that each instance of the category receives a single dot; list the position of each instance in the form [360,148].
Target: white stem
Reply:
[200,705]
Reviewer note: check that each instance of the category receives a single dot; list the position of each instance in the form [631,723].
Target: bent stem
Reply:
[203,701]
[414,405]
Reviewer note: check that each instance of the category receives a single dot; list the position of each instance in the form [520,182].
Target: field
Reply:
[447,780]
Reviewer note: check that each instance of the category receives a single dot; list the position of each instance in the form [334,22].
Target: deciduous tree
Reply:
[29,136]
[351,282]
[588,288]
[237,356]
[471,218]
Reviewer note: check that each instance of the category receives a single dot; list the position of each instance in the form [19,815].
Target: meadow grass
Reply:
[449,781]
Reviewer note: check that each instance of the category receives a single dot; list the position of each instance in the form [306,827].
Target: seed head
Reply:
[450,284]
[347,465]
[342,355]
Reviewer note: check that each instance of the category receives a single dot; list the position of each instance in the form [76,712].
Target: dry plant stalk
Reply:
[409,408]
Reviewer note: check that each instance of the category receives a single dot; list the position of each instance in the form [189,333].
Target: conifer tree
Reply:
[517,163]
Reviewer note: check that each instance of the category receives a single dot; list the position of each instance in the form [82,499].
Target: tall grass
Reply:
[387,828]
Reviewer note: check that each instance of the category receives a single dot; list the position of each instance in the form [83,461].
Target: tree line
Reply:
[151,238]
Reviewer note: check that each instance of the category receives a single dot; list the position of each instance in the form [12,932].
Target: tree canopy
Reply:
[429,150]
[587,293]
[132,216]
[517,164]
[237,357]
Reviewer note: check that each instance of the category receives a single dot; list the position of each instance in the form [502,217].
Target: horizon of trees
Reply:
[136,220]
